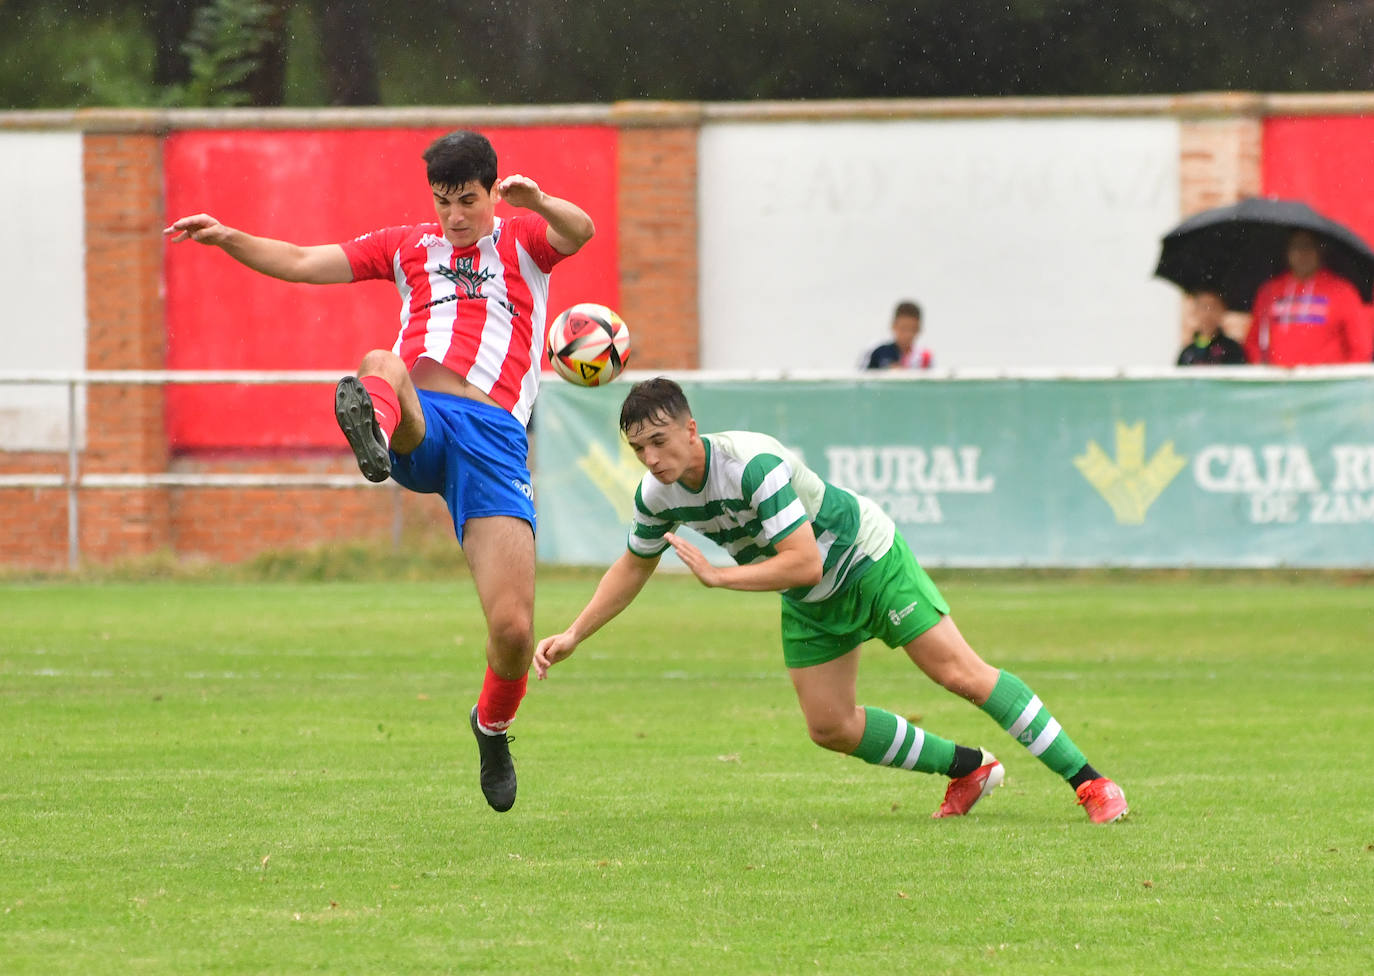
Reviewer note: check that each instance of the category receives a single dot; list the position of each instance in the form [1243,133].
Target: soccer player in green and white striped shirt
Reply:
[845,575]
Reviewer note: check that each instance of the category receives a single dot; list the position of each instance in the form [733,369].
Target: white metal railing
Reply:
[74,480]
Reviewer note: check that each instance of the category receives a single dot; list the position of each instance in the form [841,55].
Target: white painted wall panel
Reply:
[42,281]
[1027,242]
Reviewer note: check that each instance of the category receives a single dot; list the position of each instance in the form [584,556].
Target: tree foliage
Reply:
[123,52]
[225,49]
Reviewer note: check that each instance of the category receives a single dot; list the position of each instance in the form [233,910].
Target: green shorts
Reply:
[895,602]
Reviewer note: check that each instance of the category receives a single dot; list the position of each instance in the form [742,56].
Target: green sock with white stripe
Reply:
[890,740]
[1019,710]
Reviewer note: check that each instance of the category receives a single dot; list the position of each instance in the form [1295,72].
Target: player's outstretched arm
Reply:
[618,587]
[569,225]
[798,562]
[322,264]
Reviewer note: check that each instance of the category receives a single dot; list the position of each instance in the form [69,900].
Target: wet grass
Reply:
[236,776]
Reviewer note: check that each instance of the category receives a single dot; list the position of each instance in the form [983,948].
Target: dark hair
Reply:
[658,400]
[907,308]
[460,157]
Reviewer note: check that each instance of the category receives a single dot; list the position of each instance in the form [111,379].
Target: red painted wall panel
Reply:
[1326,161]
[316,187]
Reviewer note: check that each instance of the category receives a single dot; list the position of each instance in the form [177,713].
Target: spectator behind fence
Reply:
[1210,345]
[904,351]
[1307,315]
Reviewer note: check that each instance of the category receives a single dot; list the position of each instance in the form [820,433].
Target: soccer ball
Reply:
[588,344]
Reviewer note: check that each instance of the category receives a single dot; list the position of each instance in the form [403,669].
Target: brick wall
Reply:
[657,204]
[33,521]
[124,330]
[1219,162]
[232,524]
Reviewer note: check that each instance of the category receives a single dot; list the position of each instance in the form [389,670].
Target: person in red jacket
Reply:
[1307,315]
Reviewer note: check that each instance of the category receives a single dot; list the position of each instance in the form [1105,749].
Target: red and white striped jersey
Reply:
[479,310]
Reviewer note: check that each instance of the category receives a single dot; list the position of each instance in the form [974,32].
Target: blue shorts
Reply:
[474,455]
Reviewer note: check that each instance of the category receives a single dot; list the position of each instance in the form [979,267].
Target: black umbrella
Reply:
[1233,250]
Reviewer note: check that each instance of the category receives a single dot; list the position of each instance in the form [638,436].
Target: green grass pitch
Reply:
[205,777]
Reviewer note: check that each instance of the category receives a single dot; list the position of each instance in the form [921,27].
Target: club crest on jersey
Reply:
[466,278]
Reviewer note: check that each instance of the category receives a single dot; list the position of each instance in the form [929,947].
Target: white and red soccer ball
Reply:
[588,344]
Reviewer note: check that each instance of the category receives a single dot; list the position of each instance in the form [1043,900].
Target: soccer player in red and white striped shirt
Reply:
[444,410]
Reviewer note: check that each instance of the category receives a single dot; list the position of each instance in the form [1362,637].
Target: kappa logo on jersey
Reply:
[896,615]
[466,278]
[428,241]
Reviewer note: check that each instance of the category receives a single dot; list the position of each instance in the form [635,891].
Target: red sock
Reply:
[499,699]
[386,407]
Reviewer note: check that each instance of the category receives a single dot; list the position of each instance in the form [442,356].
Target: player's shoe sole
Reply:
[353,410]
[964,792]
[498,769]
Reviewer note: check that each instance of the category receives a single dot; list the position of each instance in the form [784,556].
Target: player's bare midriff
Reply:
[426,374]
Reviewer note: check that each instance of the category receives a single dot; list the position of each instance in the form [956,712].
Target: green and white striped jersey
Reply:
[756,493]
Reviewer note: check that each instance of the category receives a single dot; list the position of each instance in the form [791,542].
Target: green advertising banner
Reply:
[1179,470]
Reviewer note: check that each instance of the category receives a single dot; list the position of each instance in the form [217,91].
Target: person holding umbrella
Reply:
[1303,276]
[1307,315]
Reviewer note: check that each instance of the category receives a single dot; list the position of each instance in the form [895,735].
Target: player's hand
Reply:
[201,228]
[520,191]
[550,651]
[696,562]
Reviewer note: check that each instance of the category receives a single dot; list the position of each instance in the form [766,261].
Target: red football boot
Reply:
[965,791]
[1103,800]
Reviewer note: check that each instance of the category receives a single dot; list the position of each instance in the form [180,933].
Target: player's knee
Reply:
[830,735]
[967,679]
[384,363]
[511,630]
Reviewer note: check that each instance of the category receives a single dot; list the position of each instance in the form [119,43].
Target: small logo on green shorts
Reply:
[896,615]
